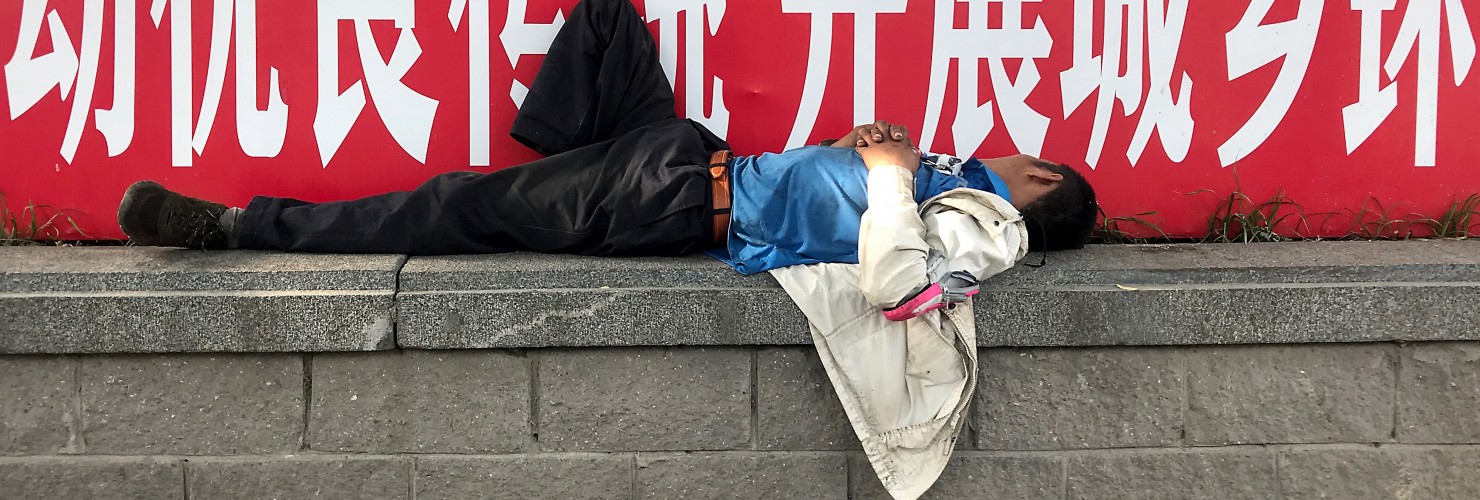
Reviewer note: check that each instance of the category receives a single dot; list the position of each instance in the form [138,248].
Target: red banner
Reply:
[1169,109]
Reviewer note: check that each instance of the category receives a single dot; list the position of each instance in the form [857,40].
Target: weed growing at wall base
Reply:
[1375,221]
[1239,219]
[28,227]
[1461,220]
[1115,230]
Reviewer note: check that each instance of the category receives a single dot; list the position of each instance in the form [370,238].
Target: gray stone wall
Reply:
[1370,420]
[1345,370]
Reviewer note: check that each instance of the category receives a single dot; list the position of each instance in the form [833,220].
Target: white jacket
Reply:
[906,385]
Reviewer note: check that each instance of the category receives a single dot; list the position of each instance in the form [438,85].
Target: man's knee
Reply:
[606,10]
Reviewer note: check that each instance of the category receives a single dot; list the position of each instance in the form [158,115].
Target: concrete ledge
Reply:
[1104,295]
[99,300]
[531,300]
[126,300]
[1305,292]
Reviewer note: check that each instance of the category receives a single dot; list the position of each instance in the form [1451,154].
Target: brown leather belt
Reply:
[719,180]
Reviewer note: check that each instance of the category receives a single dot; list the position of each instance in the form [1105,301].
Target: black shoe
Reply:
[154,216]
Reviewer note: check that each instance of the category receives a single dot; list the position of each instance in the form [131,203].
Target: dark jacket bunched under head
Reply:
[1063,218]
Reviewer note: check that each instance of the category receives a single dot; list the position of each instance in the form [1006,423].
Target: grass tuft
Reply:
[1239,219]
[1113,230]
[30,227]
[1375,221]
[1460,220]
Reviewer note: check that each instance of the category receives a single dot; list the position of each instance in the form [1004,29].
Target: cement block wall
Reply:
[158,407]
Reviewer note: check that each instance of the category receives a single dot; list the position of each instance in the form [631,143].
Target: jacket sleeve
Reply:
[891,240]
[895,243]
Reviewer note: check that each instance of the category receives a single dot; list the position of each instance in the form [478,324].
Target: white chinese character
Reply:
[665,13]
[1026,126]
[117,123]
[1251,46]
[1421,28]
[29,78]
[407,115]
[259,132]
[819,57]
[1162,27]
[519,38]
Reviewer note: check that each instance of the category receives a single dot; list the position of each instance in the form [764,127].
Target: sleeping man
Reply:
[623,176]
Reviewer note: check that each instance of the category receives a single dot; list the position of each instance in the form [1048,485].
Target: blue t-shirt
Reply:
[805,205]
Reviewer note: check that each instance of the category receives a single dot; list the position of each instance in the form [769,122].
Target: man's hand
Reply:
[877,131]
[889,151]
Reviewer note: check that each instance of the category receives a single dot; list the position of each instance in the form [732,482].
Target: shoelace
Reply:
[199,224]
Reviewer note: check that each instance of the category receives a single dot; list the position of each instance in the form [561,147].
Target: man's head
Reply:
[1058,204]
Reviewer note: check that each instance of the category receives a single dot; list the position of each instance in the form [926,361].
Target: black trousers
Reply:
[624,175]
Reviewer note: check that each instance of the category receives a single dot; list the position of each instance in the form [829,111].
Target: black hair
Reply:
[1064,217]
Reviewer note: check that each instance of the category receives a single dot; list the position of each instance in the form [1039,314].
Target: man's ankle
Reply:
[231,223]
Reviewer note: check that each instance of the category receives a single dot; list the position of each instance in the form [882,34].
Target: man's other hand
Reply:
[889,151]
[877,131]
